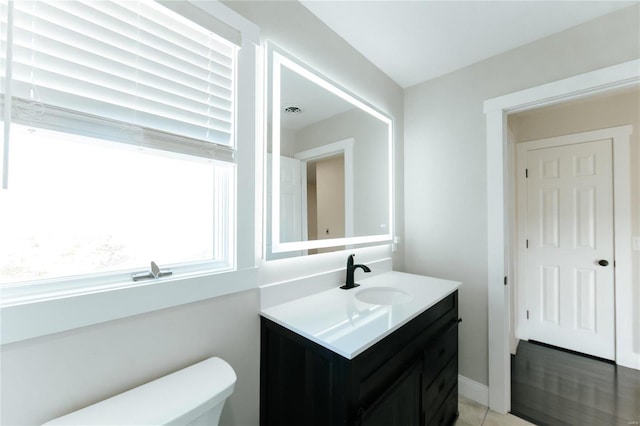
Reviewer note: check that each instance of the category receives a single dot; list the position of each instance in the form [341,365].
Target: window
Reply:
[118,141]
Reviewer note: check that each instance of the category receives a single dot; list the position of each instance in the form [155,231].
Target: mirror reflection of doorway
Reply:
[327,210]
[326,200]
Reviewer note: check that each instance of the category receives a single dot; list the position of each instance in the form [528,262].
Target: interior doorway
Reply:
[499,233]
[549,133]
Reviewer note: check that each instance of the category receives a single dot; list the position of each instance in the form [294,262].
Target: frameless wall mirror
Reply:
[329,164]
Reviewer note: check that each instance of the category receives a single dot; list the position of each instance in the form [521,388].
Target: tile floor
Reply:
[475,414]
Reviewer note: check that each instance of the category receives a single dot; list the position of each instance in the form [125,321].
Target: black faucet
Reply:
[350,270]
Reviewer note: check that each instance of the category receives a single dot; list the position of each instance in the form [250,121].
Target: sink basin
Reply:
[383,296]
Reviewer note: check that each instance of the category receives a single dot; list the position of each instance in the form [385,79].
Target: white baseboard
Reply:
[629,360]
[473,390]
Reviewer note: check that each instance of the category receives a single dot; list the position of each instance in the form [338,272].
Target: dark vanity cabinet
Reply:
[408,378]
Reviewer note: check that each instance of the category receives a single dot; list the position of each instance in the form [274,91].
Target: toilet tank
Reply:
[193,395]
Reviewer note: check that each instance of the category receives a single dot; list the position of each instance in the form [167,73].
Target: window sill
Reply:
[22,321]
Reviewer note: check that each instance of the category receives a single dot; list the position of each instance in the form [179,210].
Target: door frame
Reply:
[621,180]
[498,233]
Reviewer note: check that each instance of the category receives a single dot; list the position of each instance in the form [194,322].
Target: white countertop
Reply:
[338,321]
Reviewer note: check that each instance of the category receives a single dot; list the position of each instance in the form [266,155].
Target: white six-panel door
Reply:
[569,254]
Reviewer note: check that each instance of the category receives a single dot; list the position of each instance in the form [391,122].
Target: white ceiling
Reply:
[415,41]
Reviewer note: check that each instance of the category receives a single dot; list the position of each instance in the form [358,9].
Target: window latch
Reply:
[155,273]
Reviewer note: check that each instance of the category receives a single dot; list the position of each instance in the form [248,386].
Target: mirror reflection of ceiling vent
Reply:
[293,110]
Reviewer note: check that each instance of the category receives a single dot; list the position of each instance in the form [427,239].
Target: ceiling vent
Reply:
[293,110]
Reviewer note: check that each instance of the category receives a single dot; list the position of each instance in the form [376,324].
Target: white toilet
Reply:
[192,396]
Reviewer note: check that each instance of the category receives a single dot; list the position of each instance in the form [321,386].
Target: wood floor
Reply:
[553,387]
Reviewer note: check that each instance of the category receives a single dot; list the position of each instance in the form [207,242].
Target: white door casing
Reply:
[566,210]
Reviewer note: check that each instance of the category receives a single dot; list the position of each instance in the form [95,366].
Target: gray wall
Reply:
[50,376]
[445,159]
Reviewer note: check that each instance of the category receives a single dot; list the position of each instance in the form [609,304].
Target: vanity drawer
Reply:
[436,393]
[440,351]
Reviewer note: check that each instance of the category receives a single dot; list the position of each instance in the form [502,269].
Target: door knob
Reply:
[603,262]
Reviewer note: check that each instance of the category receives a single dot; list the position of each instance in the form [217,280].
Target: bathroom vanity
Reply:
[384,353]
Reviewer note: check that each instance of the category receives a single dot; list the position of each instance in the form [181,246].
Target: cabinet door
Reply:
[400,404]
[300,383]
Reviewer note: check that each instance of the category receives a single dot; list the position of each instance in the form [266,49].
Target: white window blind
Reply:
[129,62]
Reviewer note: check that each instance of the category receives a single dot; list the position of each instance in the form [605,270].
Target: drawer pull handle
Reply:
[452,325]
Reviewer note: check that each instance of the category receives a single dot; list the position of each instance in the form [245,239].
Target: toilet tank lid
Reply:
[178,396]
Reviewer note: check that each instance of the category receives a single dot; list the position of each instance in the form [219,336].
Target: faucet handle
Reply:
[350,259]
